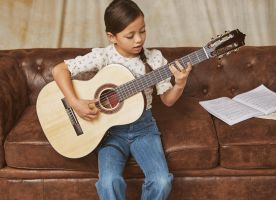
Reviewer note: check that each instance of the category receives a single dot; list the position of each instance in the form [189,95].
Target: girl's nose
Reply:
[138,38]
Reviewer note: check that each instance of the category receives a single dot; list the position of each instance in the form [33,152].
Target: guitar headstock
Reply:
[225,44]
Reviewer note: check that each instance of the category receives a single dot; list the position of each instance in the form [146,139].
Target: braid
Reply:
[143,56]
[144,60]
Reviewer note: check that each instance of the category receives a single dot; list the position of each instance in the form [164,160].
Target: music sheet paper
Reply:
[269,116]
[256,102]
[260,98]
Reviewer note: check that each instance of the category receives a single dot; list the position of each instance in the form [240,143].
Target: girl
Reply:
[125,29]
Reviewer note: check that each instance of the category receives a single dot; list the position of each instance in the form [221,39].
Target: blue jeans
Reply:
[141,139]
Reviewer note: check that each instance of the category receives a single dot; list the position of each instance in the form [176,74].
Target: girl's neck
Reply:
[116,49]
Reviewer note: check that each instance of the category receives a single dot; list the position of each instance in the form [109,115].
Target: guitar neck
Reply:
[138,85]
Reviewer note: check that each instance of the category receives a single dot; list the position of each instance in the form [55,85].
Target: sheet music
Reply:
[229,111]
[260,98]
[254,103]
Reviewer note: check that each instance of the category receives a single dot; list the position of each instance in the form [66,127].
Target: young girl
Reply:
[126,31]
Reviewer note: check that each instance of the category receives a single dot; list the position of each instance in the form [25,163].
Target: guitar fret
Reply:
[197,57]
[193,57]
[182,63]
[190,60]
[202,55]
[135,87]
[160,75]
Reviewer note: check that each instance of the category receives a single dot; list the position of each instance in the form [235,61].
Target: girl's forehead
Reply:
[137,24]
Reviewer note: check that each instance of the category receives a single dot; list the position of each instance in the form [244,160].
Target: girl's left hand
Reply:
[180,73]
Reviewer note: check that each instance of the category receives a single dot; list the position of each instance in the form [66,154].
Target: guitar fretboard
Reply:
[138,85]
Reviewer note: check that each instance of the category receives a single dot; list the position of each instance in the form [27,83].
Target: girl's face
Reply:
[129,42]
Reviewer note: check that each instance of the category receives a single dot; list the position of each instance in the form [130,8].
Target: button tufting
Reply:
[220,66]
[38,68]
[205,91]
[233,89]
[249,65]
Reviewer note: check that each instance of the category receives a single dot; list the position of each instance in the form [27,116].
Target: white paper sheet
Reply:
[256,102]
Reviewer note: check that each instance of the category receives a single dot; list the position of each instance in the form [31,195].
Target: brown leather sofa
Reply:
[209,159]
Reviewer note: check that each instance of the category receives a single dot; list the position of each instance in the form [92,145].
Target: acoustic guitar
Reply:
[119,96]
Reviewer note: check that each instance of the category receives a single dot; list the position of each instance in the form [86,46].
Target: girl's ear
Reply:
[111,37]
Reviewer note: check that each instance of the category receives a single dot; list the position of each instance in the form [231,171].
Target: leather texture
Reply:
[209,159]
[186,188]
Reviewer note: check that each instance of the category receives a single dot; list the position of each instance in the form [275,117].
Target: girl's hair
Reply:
[119,14]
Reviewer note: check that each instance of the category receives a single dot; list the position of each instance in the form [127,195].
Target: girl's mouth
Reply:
[138,47]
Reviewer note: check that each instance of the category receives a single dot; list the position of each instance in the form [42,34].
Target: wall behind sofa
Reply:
[79,23]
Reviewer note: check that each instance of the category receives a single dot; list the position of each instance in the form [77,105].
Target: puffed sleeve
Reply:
[94,60]
[155,59]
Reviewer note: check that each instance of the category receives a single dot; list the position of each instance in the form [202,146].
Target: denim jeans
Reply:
[141,139]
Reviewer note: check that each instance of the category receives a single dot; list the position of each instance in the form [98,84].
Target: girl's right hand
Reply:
[86,109]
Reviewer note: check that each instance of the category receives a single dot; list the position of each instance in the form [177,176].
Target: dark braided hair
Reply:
[119,14]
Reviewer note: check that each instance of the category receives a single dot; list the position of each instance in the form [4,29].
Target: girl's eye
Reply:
[129,36]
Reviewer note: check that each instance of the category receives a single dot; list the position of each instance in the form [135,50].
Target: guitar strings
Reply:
[184,60]
[127,92]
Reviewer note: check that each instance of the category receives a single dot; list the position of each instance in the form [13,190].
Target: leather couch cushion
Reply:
[249,144]
[27,147]
[187,132]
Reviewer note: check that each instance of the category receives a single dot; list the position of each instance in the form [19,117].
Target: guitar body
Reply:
[56,119]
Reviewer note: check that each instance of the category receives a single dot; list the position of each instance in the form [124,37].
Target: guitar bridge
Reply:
[72,117]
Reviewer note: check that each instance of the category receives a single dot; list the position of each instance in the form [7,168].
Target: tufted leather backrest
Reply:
[213,78]
[37,65]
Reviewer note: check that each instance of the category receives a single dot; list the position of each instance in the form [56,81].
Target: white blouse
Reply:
[101,57]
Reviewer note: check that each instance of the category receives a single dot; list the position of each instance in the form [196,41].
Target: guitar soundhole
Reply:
[108,99]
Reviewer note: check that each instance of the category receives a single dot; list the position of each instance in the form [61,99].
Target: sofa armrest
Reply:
[13,98]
